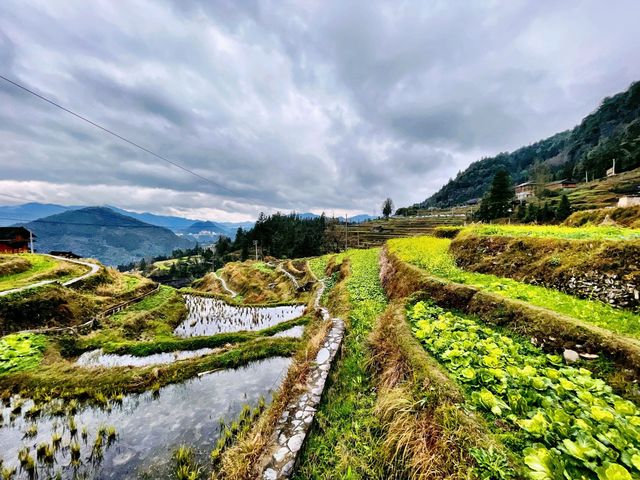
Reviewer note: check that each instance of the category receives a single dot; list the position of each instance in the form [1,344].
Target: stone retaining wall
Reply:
[596,269]
[293,425]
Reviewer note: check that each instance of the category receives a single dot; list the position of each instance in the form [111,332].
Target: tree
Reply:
[564,209]
[540,174]
[497,202]
[532,213]
[387,207]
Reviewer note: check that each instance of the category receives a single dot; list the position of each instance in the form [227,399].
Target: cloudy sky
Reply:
[305,106]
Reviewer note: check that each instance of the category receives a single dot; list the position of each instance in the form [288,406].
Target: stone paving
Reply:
[295,421]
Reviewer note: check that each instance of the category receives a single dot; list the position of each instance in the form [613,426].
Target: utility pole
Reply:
[31,240]
[255,244]
[346,231]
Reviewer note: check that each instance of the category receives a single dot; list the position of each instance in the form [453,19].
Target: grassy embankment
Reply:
[603,270]
[20,270]
[432,254]
[60,379]
[345,439]
[255,283]
[623,216]
[58,306]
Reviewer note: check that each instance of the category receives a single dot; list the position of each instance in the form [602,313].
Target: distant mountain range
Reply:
[99,232]
[611,132]
[12,214]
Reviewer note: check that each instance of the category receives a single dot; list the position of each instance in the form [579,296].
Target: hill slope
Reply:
[101,233]
[612,131]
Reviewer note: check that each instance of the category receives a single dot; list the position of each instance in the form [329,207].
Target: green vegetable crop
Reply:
[573,425]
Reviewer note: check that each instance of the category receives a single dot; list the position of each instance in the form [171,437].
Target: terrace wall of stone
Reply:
[548,329]
[598,269]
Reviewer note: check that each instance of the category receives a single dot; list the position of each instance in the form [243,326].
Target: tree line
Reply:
[499,202]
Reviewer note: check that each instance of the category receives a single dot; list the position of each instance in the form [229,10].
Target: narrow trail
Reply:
[293,279]
[92,266]
[224,285]
[293,425]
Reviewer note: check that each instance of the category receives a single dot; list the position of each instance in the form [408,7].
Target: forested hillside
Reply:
[612,131]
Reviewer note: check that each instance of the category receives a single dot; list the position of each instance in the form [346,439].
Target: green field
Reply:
[41,268]
[21,351]
[549,231]
[432,254]
[343,444]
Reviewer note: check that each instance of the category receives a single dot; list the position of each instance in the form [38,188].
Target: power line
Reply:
[111,132]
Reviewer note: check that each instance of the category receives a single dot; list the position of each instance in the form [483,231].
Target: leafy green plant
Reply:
[491,464]
[575,426]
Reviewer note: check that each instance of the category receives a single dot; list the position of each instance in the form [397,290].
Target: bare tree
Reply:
[387,207]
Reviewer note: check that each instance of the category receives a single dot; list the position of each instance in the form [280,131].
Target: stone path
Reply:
[93,269]
[292,427]
[293,279]
[224,285]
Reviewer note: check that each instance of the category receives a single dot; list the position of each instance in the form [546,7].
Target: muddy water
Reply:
[209,316]
[149,426]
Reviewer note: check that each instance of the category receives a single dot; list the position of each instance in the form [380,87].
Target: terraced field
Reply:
[377,232]
[432,255]
[442,372]
[18,271]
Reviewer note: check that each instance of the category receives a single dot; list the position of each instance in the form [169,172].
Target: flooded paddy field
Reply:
[210,316]
[97,358]
[135,436]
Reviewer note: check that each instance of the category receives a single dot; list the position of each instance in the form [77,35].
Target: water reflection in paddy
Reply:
[293,332]
[209,316]
[96,358]
[149,427]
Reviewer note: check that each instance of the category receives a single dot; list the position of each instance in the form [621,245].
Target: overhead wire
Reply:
[117,135]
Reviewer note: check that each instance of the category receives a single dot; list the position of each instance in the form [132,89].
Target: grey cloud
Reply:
[294,105]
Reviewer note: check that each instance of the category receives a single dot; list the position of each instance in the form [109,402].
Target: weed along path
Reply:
[224,285]
[93,269]
[345,439]
[134,436]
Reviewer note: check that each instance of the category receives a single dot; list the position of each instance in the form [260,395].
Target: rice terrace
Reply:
[319,240]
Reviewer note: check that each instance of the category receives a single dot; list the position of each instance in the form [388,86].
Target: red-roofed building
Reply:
[14,240]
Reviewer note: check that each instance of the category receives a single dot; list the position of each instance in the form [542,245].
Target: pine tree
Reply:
[497,202]
[387,207]
[564,209]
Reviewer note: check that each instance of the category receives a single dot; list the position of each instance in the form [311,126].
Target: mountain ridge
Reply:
[99,232]
[610,131]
